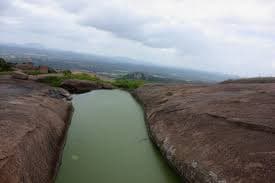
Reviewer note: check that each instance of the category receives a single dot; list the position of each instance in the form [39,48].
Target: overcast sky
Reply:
[229,36]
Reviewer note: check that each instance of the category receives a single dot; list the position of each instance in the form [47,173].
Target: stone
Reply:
[33,127]
[213,137]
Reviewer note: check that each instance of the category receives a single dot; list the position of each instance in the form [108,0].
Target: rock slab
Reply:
[34,119]
[81,86]
[19,75]
[222,133]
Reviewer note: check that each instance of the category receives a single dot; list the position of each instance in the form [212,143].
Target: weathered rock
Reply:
[60,94]
[19,75]
[80,86]
[219,133]
[34,119]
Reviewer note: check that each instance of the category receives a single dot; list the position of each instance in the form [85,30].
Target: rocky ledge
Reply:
[221,133]
[34,119]
[82,86]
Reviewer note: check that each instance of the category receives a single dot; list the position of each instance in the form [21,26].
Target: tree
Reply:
[67,73]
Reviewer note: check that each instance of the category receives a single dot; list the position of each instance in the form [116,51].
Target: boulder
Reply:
[219,133]
[19,75]
[34,119]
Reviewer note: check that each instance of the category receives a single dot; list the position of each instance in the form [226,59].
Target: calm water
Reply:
[108,143]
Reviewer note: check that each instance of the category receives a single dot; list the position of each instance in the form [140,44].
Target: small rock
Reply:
[60,94]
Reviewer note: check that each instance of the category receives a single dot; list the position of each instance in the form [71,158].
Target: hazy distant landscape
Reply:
[113,67]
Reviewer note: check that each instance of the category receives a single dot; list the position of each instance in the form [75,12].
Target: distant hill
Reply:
[151,78]
[114,67]
[251,80]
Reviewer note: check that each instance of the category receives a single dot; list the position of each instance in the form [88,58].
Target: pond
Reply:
[108,142]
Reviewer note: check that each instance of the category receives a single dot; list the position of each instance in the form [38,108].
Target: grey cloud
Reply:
[119,22]
[4,6]
[186,40]
[36,1]
[76,6]
[149,31]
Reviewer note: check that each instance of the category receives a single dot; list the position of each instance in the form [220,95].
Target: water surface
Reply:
[108,143]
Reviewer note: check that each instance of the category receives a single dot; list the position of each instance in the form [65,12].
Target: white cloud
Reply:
[216,35]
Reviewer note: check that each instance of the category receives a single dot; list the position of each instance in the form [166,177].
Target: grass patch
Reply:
[53,80]
[128,84]
[57,80]
[33,72]
[4,66]
[83,76]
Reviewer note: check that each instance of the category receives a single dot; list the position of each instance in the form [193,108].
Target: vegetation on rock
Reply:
[33,72]
[150,78]
[121,83]
[57,80]
[128,84]
[4,66]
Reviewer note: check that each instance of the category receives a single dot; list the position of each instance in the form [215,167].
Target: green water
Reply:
[108,143]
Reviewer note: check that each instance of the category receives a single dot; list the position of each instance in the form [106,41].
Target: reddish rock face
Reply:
[33,122]
[44,69]
[218,133]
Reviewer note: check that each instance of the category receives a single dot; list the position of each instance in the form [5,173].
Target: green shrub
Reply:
[53,80]
[83,76]
[128,84]
[33,72]
[67,73]
[121,83]
[4,66]
[57,80]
